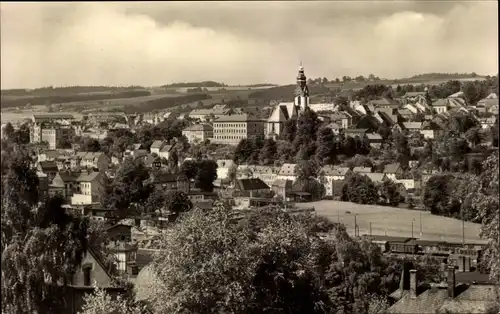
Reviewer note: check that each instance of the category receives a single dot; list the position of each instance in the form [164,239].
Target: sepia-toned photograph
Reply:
[250,157]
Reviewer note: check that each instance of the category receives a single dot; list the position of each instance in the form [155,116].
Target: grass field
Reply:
[396,222]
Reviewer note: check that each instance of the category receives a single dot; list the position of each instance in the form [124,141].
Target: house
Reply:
[198,133]
[446,297]
[355,132]
[440,105]
[288,172]
[405,113]
[93,160]
[118,232]
[431,130]
[49,168]
[231,129]
[487,123]
[156,146]
[92,271]
[168,181]
[268,174]
[412,127]
[369,123]
[89,188]
[165,151]
[334,179]
[413,97]
[250,187]
[48,155]
[282,188]
[393,171]
[223,167]
[64,184]
[374,139]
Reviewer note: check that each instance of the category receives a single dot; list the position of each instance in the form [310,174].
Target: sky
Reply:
[150,44]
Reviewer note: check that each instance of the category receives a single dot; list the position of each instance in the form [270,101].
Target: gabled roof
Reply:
[362,169]
[87,177]
[48,165]
[330,170]
[391,168]
[166,148]
[413,94]
[157,144]
[412,125]
[250,184]
[376,177]
[440,103]
[373,136]
[199,127]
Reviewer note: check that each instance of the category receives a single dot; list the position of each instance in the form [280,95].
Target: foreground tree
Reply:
[268,262]
[100,302]
[488,208]
[42,245]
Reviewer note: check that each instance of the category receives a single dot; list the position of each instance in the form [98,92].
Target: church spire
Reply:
[301,91]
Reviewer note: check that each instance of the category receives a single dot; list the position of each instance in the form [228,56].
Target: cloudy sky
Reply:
[241,42]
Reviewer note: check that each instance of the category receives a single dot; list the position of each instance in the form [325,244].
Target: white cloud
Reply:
[106,44]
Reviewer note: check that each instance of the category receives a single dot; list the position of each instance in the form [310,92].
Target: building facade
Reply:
[230,130]
[198,133]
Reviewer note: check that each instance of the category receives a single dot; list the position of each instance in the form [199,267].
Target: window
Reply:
[86,275]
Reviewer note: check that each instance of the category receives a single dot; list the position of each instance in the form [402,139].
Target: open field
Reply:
[396,222]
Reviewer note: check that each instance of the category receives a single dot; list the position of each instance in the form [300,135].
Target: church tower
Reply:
[301,91]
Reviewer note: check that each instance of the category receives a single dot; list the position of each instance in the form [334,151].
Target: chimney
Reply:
[404,283]
[451,281]
[413,284]
[461,263]
[466,263]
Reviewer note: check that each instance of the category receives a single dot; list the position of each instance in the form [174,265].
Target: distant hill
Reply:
[13,101]
[438,76]
[195,84]
[285,93]
[67,90]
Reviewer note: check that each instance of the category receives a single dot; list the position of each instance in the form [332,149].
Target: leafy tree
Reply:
[488,208]
[494,134]
[22,135]
[42,245]
[100,302]
[268,152]
[359,189]
[269,262]
[289,130]
[474,135]
[8,131]
[190,168]
[402,148]
[90,145]
[307,127]
[172,202]
[437,196]
[206,175]
[243,151]
[388,191]
[129,189]
[325,151]
[173,162]
[474,91]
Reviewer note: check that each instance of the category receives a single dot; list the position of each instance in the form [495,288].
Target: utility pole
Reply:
[370,228]
[355,225]
[338,215]
[420,224]
[412,238]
